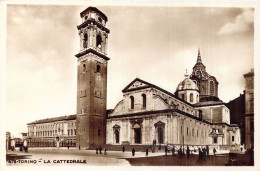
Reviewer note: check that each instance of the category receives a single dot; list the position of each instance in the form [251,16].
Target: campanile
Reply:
[92,79]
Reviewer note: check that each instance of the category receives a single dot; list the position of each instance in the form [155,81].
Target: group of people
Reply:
[100,150]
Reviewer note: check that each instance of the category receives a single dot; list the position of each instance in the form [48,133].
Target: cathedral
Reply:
[192,115]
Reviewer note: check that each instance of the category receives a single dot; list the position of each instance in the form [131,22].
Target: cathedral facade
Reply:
[148,113]
[192,115]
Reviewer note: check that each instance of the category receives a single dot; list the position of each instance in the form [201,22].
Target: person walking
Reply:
[123,149]
[204,154]
[200,156]
[133,152]
[188,152]
[214,151]
[146,152]
[96,150]
[100,150]
[173,151]
[105,151]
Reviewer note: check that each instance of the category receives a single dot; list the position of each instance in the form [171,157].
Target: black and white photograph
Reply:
[130,84]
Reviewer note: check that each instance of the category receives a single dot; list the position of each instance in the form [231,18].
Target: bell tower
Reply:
[92,79]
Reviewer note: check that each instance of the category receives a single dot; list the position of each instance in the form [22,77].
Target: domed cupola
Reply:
[188,90]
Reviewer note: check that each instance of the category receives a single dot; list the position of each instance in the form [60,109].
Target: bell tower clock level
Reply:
[92,79]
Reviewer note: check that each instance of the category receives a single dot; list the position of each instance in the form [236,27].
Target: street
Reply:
[54,157]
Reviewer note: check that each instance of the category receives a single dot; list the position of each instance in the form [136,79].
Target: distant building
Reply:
[52,132]
[237,114]
[249,114]
[8,140]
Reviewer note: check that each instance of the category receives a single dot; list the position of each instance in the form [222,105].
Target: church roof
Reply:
[145,84]
[93,9]
[187,84]
[60,118]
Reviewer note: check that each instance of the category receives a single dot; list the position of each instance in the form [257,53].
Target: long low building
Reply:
[53,132]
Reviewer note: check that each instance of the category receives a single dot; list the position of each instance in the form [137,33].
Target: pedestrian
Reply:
[173,151]
[133,152]
[146,151]
[68,147]
[188,152]
[123,148]
[105,151]
[200,156]
[214,151]
[165,150]
[207,149]
[79,147]
[96,150]
[100,150]
[179,153]
[204,154]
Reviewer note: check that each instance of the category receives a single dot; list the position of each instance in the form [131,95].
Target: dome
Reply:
[187,84]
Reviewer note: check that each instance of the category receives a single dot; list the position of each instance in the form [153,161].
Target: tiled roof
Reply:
[61,118]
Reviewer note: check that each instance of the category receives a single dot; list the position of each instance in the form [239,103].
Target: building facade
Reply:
[249,115]
[237,114]
[52,132]
[8,141]
[149,113]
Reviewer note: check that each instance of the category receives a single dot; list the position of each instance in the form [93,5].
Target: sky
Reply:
[156,44]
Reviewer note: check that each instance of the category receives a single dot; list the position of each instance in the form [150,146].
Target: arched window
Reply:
[191,97]
[85,41]
[132,101]
[99,40]
[211,88]
[144,100]
[84,67]
[98,68]
[71,132]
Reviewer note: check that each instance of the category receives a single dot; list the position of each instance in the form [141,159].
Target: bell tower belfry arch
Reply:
[92,79]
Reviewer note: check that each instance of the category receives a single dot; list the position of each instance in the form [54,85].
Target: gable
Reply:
[136,85]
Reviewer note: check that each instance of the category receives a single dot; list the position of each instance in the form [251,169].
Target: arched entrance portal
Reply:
[137,133]
[116,134]
[160,135]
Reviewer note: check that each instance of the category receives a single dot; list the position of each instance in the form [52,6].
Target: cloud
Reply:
[243,23]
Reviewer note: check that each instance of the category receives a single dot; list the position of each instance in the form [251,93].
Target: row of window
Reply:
[48,126]
[84,68]
[53,133]
[192,98]
[193,133]
[132,101]
[98,41]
